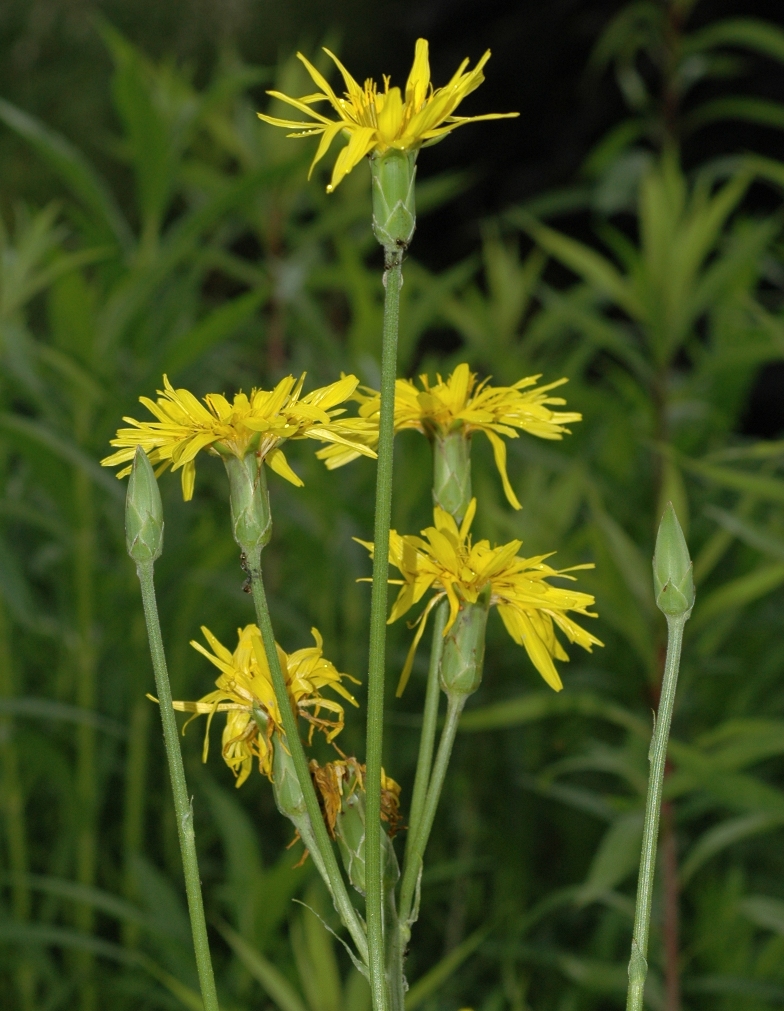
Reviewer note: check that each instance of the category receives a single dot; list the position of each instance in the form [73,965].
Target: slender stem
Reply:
[638,966]
[418,843]
[429,724]
[182,804]
[322,849]
[13,805]
[393,278]
[134,806]
[672,980]
[85,662]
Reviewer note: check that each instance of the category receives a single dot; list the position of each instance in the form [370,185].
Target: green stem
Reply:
[429,724]
[182,805]
[14,811]
[374,870]
[638,966]
[323,846]
[86,773]
[418,843]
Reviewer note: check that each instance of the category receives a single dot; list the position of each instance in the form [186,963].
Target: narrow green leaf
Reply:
[615,859]
[272,980]
[764,911]
[722,836]
[539,705]
[429,984]
[594,268]
[736,593]
[218,326]
[747,532]
[49,709]
[749,33]
[752,110]
[73,168]
[768,488]
[41,434]
[59,937]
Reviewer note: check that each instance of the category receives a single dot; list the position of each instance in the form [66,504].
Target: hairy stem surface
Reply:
[638,966]
[182,805]
[393,279]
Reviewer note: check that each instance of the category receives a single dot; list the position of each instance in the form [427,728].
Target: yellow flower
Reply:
[245,685]
[258,423]
[461,403]
[457,569]
[377,121]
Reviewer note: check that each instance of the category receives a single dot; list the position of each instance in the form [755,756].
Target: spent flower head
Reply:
[259,422]
[376,121]
[244,691]
[446,560]
[461,404]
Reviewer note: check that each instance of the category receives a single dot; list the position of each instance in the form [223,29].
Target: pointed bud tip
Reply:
[143,511]
[673,582]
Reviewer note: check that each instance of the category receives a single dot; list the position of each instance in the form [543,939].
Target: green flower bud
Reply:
[452,472]
[394,211]
[251,520]
[288,794]
[143,511]
[673,582]
[463,656]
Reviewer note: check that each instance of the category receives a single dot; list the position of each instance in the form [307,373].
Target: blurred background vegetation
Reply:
[625,232]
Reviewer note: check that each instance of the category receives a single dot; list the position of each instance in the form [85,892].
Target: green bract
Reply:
[143,512]
[452,473]
[394,211]
[463,658]
[673,582]
[251,520]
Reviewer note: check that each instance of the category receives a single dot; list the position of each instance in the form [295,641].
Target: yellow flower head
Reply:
[258,423]
[337,779]
[245,685]
[457,569]
[374,120]
[462,403]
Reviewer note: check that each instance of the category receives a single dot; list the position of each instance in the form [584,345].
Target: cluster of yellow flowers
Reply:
[444,559]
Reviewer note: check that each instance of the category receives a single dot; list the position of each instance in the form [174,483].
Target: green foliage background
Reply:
[203,253]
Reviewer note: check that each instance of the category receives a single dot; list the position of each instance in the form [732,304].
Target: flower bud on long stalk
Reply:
[251,519]
[143,512]
[674,588]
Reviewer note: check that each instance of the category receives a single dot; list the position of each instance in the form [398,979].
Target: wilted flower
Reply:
[245,692]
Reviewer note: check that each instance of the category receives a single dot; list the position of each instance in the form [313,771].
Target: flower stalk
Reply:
[144,540]
[319,843]
[674,588]
[393,280]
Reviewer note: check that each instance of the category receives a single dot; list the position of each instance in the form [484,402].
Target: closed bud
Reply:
[394,211]
[251,520]
[463,656]
[143,511]
[673,581]
[452,473]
